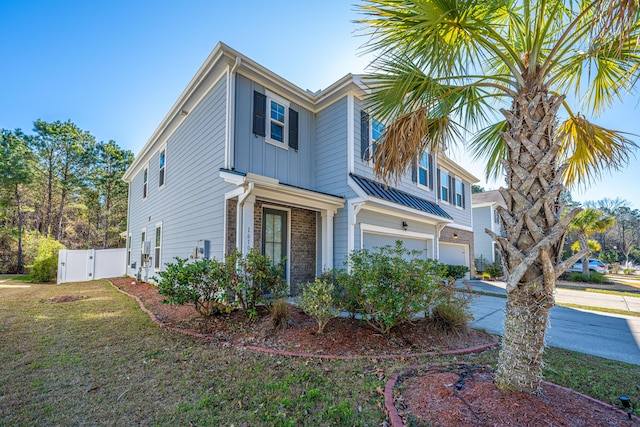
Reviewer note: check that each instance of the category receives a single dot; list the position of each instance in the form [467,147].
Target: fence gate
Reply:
[91,264]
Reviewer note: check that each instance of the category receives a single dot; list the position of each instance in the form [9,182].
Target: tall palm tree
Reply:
[587,222]
[443,66]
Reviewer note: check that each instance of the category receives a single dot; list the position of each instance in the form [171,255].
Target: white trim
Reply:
[282,209]
[459,227]
[387,231]
[483,205]
[230,119]
[162,148]
[353,207]
[145,193]
[157,261]
[272,97]
[351,132]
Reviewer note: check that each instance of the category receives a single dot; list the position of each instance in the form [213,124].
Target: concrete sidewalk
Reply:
[613,336]
[568,296]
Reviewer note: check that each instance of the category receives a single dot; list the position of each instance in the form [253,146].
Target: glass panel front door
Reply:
[274,234]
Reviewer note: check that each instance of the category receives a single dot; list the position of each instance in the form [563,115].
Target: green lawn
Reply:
[100,360]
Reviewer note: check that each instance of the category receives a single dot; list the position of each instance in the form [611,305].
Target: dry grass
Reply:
[100,360]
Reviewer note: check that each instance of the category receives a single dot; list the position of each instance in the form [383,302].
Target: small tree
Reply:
[45,264]
[317,301]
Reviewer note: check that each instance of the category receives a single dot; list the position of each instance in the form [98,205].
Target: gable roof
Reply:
[486,198]
[381,191]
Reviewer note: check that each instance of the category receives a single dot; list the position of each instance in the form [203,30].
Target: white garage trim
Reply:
[376,229]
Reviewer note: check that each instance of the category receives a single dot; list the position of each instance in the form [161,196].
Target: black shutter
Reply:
[293,129]
[439,189]
[414,170]
[463,196]
[364,134]
[452,190]
[430,171]
[259,113]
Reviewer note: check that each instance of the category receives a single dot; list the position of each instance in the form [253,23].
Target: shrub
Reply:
[45,263]
[593,277]
[450,317]
[253,279]
[201,283]
[494,271]
[346,291]
[280,314]
[317,301]
[628,271]
[454,271]
[394,285]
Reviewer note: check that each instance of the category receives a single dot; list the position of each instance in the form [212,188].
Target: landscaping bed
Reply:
[343,337]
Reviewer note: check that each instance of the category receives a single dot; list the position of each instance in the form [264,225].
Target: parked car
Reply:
[594,265]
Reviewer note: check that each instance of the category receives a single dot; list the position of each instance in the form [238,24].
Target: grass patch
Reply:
[101,360]
[601,309]
[620,293]
[18,278]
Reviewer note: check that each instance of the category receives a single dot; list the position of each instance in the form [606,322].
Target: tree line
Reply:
[59,183]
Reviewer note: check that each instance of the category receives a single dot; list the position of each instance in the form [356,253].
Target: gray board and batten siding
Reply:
[191,205]
[482,242]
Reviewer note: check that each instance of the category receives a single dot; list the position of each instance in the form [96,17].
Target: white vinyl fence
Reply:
[91,264]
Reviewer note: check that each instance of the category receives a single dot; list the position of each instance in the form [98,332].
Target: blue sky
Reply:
[116,67]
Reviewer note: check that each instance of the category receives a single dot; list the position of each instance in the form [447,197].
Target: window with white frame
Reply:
[145,182]
[158,246]
[129,238]
[277,113]
[459,201]
[161,171]
[377,129]
[445,191]
[144,253]
[423,170]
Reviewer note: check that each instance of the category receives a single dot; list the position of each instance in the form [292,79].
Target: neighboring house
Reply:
[246,159]
[486,217]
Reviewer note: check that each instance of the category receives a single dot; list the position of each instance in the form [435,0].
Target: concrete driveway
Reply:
[606,335]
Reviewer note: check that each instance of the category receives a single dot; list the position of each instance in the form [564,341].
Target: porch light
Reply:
[455,236]
[404,225]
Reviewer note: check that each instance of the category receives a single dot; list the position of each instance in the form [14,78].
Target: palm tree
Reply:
[586,223]
[443,66]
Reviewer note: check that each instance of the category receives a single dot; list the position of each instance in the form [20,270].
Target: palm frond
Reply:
[488,146]
[590,150]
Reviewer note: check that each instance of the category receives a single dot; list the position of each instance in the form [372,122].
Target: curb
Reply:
[396,420]
[274,352]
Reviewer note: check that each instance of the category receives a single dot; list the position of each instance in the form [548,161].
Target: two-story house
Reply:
[486,217]
[247,159]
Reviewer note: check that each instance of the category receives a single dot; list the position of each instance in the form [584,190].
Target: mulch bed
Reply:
[342,336]
[430,395]
[421,397]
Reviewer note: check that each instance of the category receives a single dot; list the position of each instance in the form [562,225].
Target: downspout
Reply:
[231,93]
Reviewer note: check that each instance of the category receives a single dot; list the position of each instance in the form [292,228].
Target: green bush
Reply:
[253,280]
[494,271]
[317,301]
[213,286]
[45,263]
[394,285]
[593,277]
[346,291]
[628,271]
[454,271]
[202,283]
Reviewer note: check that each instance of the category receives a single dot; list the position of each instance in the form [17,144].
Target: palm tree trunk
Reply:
[534,235]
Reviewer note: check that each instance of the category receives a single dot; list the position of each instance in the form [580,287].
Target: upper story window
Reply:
[459,200]
[424,170]
[274,119]
[371,129]
[161,172]
[445,188]
[145,182]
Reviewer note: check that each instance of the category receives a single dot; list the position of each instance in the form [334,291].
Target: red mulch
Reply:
[341,337]
[426,397]
[430,395]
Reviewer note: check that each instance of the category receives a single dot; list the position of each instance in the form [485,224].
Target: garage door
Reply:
[372,240]
[454,254]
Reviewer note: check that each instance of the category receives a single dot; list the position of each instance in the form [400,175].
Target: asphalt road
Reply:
[612,336]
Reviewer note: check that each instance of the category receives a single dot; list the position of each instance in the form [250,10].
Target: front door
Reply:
[274,235]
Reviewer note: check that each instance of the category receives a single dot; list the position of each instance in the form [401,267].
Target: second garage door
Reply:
[454,254]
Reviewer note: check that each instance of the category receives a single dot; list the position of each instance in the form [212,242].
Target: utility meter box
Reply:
[201,251]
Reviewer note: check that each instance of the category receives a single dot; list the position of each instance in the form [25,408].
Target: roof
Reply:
[381,191]
[487,198]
